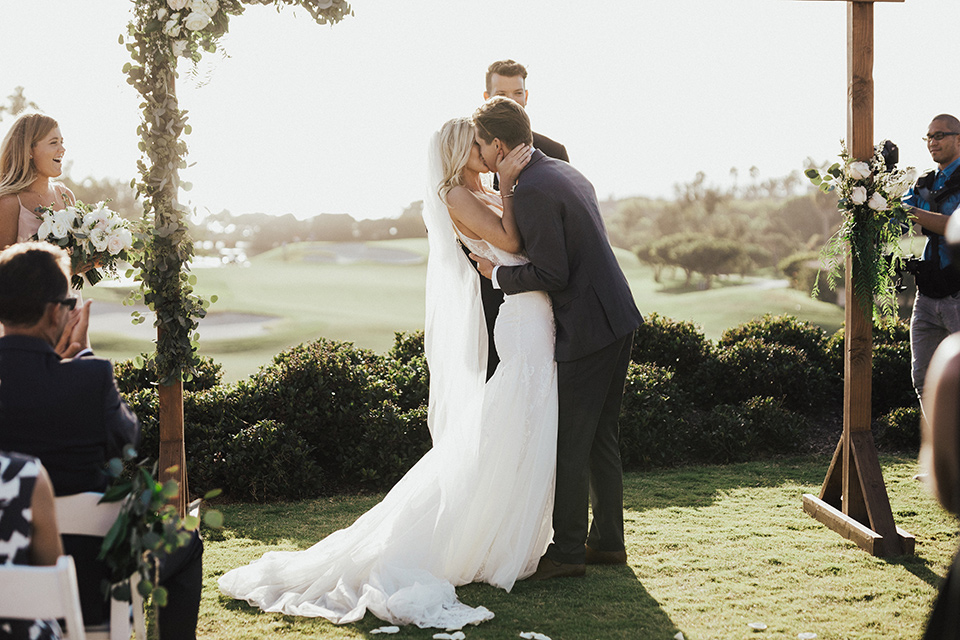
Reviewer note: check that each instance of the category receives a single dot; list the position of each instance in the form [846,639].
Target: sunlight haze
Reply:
[307,119]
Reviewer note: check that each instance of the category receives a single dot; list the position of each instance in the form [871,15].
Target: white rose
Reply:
[858,195]
[877,202]
[98,238]
[115,245]
[859,170]
[324,5]
[196,21]
[172,28]
[59,230]
[177,5]
[66,217]
[179,47]
[45,228]
[208,7]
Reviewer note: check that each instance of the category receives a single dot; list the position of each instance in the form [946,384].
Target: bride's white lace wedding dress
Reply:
[476,507]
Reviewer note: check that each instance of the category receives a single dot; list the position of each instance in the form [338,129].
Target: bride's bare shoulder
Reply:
[460,196]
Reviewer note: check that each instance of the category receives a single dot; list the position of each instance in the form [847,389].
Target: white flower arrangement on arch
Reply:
[874,219]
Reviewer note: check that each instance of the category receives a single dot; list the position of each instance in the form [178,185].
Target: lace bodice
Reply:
[486,250]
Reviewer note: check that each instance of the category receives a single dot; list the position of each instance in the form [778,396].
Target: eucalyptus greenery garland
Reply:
[874,220]
[161,32]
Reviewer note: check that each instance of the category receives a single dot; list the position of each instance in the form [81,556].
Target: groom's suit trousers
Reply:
[590,390]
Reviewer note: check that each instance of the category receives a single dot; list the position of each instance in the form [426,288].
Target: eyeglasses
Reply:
[70,303]
[940,135]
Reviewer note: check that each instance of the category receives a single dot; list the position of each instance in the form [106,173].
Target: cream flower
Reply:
[161,14]
[196,21]
[179,47]
[859,170]
[172,28]
[99,238]
[858,195]
[46,227]
[877,202]
[177,5]
[207,7]
[115,245]
[58,229]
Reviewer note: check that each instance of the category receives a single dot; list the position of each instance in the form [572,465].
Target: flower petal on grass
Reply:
[386,630]
[806,635]
[757,626]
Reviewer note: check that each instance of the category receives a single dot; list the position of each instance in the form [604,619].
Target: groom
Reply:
[570,258]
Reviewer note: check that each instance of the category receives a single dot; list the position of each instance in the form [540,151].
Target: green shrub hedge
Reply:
[325,416]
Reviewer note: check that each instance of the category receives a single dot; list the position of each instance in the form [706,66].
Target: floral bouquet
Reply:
[874,218]
[96,237]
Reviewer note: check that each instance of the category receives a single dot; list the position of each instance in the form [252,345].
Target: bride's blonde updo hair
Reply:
[456,140]
[16,167]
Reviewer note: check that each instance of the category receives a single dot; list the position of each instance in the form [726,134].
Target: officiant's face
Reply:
[489,151]
[508,86]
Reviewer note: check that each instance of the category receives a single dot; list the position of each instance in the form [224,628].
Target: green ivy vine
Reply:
[160,33]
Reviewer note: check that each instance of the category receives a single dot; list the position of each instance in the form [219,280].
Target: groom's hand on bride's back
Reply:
[484,266]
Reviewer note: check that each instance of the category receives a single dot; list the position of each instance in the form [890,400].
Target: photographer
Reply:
[934,197]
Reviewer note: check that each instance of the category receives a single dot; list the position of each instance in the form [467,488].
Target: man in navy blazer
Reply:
[508,78]
[62,405]
[571,259]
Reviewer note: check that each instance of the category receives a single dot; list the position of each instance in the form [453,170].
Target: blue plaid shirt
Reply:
[949,206]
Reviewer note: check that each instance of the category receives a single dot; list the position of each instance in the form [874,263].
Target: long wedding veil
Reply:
[455,340]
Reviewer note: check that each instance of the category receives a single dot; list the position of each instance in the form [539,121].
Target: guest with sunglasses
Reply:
[932,200]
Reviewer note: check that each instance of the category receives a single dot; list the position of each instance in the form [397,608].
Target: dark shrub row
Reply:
[325,416]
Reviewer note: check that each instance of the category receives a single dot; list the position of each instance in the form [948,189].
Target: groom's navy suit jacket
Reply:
[570,258]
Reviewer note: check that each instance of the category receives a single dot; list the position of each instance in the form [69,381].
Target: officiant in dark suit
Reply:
[571,259]
[61,405]
[508,78]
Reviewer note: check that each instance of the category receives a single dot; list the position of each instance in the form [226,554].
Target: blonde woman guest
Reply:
[31,158]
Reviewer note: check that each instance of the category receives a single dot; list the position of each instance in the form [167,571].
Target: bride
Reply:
[477,506]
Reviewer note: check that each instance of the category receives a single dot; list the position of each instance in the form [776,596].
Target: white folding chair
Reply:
[43,593]
[80,514]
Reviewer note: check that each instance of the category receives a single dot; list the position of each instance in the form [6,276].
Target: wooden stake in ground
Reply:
[853,500]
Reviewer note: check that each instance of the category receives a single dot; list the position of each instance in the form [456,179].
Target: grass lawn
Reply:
[711,549]
[366,302]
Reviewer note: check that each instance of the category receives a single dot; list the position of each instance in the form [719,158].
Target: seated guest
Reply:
[28,532]
[67,411]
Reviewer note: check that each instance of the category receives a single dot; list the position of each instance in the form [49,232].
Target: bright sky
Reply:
[309,119]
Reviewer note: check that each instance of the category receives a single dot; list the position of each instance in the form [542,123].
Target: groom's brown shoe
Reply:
[548,568]
[605,557]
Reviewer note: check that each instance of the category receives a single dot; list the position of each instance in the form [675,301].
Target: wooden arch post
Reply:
[853,499]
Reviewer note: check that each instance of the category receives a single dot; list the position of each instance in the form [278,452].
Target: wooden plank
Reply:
[832,490]
[840,523]
[172,448]
[874,491]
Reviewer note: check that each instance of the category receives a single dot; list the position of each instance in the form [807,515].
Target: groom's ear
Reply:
[486,95]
